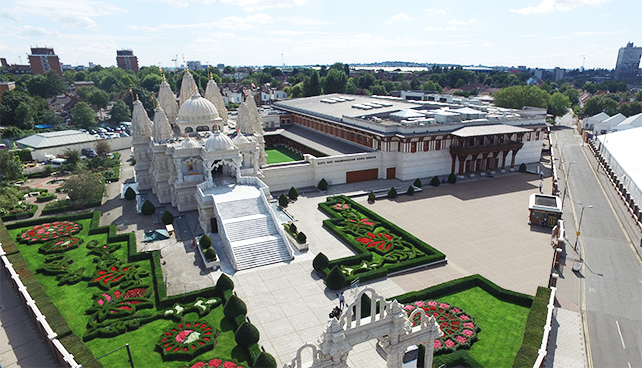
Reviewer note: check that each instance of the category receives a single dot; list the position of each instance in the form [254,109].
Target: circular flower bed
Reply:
[186,341]
[460,330]
[61,245]
[215,363]
[49,231]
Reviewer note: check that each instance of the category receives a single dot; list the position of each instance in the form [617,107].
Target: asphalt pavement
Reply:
[610,282]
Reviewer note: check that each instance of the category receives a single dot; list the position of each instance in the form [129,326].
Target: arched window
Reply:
[190,166]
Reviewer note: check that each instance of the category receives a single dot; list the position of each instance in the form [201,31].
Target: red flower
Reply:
[382,240]
[198,365]
[215,363]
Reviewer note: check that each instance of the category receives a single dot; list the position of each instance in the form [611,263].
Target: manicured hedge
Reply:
[534,331]
[46,197]
[76,347]
[27,214]
[431,254]
[55,207]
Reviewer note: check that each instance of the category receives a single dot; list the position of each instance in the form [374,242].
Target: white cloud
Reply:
[402,17]
[462,22]
[28,31]
[69,12]
[304,21]
[256,5]
[451,28]
[550,6]
[591,33]
[436,11]
[234,22]
[530,35]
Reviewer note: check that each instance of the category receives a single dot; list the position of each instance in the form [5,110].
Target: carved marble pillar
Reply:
[179,170]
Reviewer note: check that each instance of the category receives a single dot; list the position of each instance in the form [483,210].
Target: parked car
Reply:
[88,152]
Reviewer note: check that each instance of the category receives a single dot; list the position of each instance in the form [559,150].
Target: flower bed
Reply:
[61,245]
[459,328]
[187,340]
[383,246]
[49,231]
[215,363]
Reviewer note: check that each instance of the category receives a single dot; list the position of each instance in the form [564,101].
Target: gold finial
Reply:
[211,76]
[137,97]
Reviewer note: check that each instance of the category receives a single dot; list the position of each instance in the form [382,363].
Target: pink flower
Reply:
[198,365]
[449,343]
[469,325]
[409,307]
[467,333]
[461,339]
[229,365]
[437,344]
[215,363]
[456,310]
[444,305]
[433,304]
[182,335]
[464,317]
[420,304]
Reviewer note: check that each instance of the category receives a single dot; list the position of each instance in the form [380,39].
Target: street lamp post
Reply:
[579,226]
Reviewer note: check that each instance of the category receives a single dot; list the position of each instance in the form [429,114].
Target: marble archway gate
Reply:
[389,325]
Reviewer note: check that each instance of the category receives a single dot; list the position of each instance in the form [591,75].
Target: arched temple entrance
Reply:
[387,323]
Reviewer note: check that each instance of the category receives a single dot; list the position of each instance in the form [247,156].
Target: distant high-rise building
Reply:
[43,59]
[194,65]
[628,62]
[558,73]
[125,59]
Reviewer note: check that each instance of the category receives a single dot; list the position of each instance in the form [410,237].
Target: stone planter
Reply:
[299,246]
[215,265]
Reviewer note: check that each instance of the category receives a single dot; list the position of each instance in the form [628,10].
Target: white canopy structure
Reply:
[621,151]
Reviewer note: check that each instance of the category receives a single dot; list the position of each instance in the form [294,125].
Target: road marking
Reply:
[620,332]
[629,363]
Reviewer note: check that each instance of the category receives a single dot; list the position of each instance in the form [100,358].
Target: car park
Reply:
[88,152]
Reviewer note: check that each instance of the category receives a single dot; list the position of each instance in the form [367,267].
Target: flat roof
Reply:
[317,141]
[353,106]
[479,130]
[544,202]
[54,139]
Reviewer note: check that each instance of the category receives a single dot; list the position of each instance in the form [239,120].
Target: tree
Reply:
[590,88]
[264,360]
[336,279]
[312,85]
[246,335]
[12,132]
[323,185]
[592,106]
[234,307]
[335,82]
[346,69]
[72,157]
[130,194]
[435,181]
[86,187]
[320,262]
[452,178]
[351,88]
[151,82]
[167,218]
[366,80]
[148,208]
[417,183]
[46,85]
[102,148]
[25,116]
[205,242]
[301,238]
[283,200]
[516,97]
[10,165]
[83,116]
[392,192]
[49,117]
[293,194]
[120,112]
[411,190]
[99,98]
[608,105]
[559,104]
[224,283]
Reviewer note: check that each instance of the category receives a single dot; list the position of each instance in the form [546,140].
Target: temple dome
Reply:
[240,139]
[218,142]
[189,143]
[197,109]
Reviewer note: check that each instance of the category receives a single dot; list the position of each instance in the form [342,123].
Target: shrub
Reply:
[392,193]
[293,194]
[452,178]
[371,196]
[301,238]
[323,185]
[46,197]
[246,335]
[320,262]
[234,307]
[283,200]
[148,208]
[224,283]
[522,168]
[205,242]
[293,228]
[336,279]
[130,194]
[210,254]
[264,360]
[411,190]
[167,218]
[417,183]
[435,181]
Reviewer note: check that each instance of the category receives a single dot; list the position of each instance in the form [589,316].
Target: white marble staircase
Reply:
[251,231]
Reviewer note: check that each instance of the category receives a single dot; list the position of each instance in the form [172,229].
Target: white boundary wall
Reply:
[115,144]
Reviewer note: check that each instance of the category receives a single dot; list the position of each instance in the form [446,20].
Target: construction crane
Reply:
[175,59]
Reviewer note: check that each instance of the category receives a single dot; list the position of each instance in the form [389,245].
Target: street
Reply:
[611,278]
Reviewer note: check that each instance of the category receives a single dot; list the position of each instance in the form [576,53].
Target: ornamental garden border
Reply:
[123,300]
[382,246]
[535,322]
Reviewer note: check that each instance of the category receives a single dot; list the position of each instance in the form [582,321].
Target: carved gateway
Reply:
[387,323]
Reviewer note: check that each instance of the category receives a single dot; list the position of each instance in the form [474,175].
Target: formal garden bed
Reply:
[483,324]
[382,246]
[98,294]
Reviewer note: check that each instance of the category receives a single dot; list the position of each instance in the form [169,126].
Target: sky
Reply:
[534,33]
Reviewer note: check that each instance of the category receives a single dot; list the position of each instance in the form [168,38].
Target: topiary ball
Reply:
[392,193]
[435,181]
[336,279]
[301,238]
[234,307]
[210,254]
[205,242]
[148,208]
[371,196]
[247,335]
[320,262]
[167,218]
[264,360]
[129,193]
[293,228]
[224,283]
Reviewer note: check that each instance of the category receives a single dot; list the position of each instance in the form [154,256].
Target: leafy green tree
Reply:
[10,165]
[559,104]
[9,105]
[592,106]
[224,282]
[229,70]
[312,85]
[246,335]
[234,307]
[296,90]
[102,148]
[50,118]
[379,90]
[120,112]
[46,85]
[12,132]
[205,241]
[351,88]
[83,115]
[151,82]
[392,192]
[346,69]
[283,200]
[73,157]
[99,98]
[516,97]
[86,187]
[452,178]
[25,116]
[608,105]
[365,80]
[590,88]
[335,81]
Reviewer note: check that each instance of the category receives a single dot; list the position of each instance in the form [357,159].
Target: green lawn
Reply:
[74,300]
[502,326]
[279,154]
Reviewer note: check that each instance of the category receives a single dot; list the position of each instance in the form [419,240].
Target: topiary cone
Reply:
[234,307]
